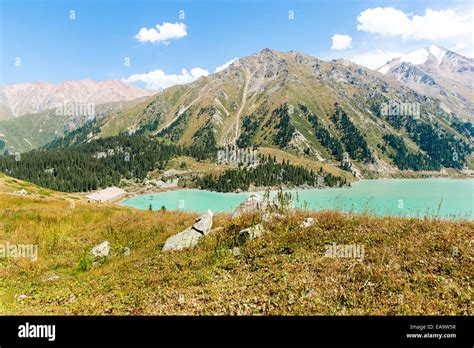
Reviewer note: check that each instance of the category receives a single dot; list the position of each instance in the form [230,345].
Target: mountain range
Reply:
[33,114]
[28,98]
[323,110]
[439,73]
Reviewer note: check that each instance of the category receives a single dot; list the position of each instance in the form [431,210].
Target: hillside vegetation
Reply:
[410,266]
[111,161]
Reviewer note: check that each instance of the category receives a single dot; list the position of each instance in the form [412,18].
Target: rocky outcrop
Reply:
[252,204]
[203,223]
[190,236]
[185,239]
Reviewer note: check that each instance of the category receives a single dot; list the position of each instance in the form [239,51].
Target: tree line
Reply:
[268,173]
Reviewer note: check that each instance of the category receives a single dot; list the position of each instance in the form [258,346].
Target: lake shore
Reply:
[255,189]
[447,198]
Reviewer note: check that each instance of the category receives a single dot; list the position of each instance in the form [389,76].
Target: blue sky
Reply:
[40,40]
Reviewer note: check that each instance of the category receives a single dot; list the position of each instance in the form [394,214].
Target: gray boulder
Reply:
[185,239]
[251,232]
[101,250]
[190,236]
[203,223]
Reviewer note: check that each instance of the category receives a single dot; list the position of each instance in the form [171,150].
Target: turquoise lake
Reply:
[446,198]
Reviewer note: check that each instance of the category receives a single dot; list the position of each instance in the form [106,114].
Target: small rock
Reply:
[21,297]
[251,232]
[307,222]
[181,299]
[72,298]
[126,251]
[22,192]
[101,250]
[235,251]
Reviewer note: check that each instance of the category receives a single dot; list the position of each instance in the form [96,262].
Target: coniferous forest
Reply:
[269,173]
[440,147]
[97,164]
[105,162]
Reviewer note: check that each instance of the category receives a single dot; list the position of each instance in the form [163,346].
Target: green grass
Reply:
[409,265]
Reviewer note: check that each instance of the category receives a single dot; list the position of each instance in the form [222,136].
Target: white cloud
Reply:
[162,33]
[374,60]
[225,65]
[433,25]
[158,80]
[341,42]
[463,48]
[460,46]
[385,21]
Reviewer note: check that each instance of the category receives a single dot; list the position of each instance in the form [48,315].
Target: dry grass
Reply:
[409,265]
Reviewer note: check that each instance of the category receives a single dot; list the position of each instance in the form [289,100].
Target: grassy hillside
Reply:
[32,131]
[411,266]
[12,186]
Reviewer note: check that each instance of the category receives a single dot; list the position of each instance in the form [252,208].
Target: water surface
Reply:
[446,198]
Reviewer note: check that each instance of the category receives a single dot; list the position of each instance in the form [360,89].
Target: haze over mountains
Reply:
[440,73]
[27,98]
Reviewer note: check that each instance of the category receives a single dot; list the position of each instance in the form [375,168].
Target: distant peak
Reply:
[420,56]
[266,50]
[438,52]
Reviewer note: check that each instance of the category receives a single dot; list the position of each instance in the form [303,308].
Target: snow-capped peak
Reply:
[438,52]
[417,57]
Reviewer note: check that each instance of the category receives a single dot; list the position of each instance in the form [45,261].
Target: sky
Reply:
[157,44]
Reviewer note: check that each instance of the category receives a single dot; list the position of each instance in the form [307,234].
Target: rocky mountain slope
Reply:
[29,98]
[440,73]
[305,106]
[34,114]
[31,131]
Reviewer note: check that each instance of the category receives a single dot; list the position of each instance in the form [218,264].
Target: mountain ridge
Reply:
[38,96]
[303,105]
[437,72]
